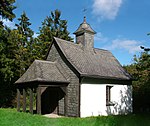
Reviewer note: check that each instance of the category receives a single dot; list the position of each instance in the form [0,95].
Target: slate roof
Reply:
[42,71]
[84,27]
[96,63]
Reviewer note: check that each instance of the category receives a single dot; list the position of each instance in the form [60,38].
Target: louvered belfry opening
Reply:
[85,35]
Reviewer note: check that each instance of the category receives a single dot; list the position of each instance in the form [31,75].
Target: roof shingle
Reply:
[45,71]
[94,62]
[84,27]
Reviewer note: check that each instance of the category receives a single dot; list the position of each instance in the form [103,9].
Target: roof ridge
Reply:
[46,61]
[41,71]
[73,43]
[85,62]
[78,45]
[102,49]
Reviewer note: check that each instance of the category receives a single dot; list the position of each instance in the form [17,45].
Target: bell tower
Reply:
[85,35]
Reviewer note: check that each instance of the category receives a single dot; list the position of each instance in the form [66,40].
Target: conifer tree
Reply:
[6,54]
[52,26]
[8,66]
[25,42]
[24,29]
[6,10]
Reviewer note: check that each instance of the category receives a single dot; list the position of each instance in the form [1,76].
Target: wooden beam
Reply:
[79,99]
[18,100]
[66,103]
[31,100]
[39,100]
[51,85]
[24,100]
[58,95]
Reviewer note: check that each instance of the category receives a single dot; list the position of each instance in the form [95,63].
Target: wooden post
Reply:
[58,103]
[24,100]
[31,100]
[18,100]
[39,100]
[66,102]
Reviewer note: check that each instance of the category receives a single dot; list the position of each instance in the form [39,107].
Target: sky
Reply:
[121,25]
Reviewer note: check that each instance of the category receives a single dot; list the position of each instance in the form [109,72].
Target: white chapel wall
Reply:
[93,100]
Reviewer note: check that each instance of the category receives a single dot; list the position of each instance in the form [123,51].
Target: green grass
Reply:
[9,117]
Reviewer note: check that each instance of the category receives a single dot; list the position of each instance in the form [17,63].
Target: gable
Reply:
[55,54]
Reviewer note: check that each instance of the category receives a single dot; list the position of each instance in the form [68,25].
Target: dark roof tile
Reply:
[45,71]
[93,62]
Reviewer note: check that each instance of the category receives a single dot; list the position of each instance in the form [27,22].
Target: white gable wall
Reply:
[93,100]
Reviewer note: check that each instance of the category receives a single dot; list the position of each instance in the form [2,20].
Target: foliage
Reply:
[7,62]
[18,49]
[52,26]
[24,30]
[6,9]
[15,58]
[13,118]
[140,70]
[8,47]
[25,42]
[145,49]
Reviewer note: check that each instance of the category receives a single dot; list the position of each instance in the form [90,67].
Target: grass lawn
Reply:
[9,117]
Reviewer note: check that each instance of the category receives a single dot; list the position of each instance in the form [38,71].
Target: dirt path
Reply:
[52,116]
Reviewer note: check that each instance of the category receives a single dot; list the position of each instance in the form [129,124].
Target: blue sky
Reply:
[121,25]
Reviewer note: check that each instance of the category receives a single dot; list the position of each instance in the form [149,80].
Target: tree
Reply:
[6,9]
[18,49]
[52,26]
[6,55]
[25,43]
[24,30]
[140,70]
[145,48]
[8,66]
[15,50]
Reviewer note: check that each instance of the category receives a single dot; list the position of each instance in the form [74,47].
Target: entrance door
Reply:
[50,98]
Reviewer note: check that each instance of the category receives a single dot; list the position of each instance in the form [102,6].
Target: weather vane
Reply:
[84,11]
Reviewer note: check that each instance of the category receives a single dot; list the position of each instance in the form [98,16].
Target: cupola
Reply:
[85,35]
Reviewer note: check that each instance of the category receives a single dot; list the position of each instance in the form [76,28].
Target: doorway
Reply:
[50,99]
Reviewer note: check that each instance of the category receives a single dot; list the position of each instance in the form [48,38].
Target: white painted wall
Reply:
[93,100]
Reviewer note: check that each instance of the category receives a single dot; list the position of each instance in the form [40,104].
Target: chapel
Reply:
[76,80]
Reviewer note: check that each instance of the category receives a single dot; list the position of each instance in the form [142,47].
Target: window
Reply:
[108,96]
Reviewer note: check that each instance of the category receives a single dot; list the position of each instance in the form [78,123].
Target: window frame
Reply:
[108,96]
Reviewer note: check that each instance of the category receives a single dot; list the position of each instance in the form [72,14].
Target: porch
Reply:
[44,86]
